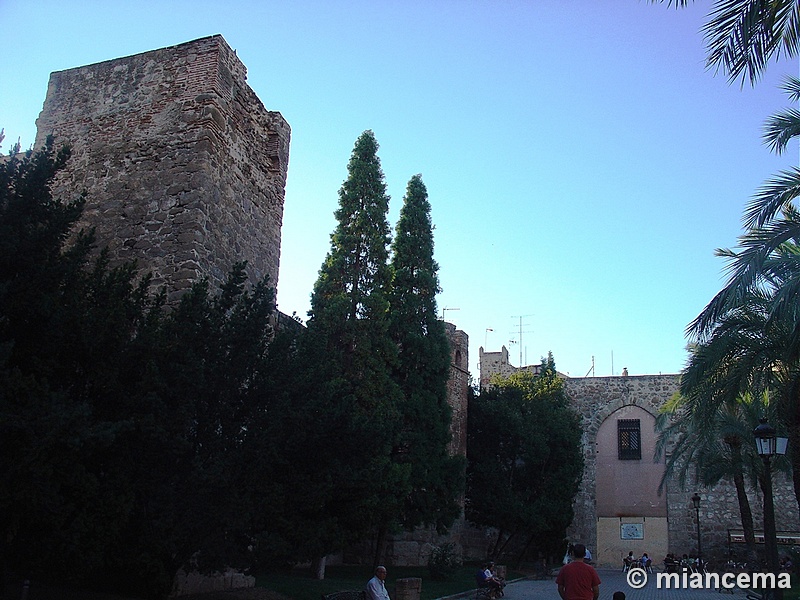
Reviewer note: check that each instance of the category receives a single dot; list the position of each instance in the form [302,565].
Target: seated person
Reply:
[628,561]
[484,578]
[376,588]
[670,563]
[492,574]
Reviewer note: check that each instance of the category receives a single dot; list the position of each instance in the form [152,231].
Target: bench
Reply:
[764,595]
[346,595]
[484,593]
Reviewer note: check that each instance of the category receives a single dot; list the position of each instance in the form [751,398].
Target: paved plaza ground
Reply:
[612,581]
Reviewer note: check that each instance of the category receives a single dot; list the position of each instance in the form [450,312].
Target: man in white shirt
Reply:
[376,589]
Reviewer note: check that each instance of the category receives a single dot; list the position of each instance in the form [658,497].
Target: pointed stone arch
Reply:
[597,399]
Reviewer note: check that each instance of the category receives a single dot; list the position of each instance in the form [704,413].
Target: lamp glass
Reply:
[765,446]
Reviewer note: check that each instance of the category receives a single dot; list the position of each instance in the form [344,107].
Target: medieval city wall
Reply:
[720,517]
[183,167]
[595,399]
[184,171]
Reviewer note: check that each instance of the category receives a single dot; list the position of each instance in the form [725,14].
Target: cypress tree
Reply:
[349,357]
[423,369]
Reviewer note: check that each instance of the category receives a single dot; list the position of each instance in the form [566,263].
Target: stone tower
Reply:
[458,388]
[183,166]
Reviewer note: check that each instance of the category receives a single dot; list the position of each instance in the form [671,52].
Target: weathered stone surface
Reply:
[458,388]
[596,399]
[179,158]
[408,588]
[196,583]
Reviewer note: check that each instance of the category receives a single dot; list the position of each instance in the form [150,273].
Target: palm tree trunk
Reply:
[499,551]
[794,436]
[496,546]
[747,518]
[318,567]
[521,555]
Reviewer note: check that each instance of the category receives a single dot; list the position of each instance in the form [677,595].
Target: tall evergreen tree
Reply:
[350,358]
[422,370]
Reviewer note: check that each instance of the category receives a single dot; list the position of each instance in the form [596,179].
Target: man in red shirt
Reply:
[577,580]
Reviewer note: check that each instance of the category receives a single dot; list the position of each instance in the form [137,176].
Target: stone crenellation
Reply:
[183,167]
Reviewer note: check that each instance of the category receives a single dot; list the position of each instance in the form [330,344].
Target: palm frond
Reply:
[781,128]
[742,35]
[779,191]
[791,85]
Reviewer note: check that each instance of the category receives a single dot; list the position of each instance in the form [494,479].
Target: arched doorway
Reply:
[631,516]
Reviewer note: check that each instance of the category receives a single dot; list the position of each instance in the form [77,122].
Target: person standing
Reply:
[578,580]
[376,588]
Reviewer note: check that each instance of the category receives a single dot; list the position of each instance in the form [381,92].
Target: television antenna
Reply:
[591,370]
[520,332]
[445,309]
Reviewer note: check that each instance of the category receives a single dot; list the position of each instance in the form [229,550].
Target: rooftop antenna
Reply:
[520,317]
[591,370]
[446,309]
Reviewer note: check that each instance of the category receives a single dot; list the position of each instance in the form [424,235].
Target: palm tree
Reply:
[749,334]
[710,452]
[742,35]
[750,347]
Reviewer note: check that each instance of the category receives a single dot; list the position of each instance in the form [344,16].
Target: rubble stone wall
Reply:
[458,388]
[595,399]
[183,167]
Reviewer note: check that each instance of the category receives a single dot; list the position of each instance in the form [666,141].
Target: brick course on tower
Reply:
[184,168]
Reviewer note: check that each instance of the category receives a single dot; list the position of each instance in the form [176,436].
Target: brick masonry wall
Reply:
[183,166]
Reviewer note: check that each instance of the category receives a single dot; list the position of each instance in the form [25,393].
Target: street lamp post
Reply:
[769,445]
[696,502]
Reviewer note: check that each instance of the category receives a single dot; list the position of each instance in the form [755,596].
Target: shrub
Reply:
[443,562]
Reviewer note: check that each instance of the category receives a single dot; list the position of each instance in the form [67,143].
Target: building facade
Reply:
[621,505]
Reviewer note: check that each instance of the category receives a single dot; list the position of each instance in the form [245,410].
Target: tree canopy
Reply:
[422,369]
[123,427]
[524,460]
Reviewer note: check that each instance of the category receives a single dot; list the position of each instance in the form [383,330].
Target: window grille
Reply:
[629,439]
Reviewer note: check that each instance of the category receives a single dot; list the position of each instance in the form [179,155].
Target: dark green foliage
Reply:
[63,332]
[125,431]
[524,460]
[422,370]
[349,397]
[443,562]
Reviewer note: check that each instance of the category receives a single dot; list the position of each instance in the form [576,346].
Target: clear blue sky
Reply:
[582,164]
